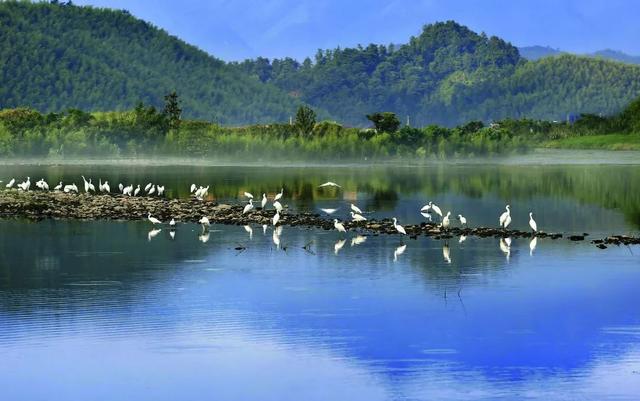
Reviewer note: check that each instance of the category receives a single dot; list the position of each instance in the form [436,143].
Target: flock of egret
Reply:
[200,192]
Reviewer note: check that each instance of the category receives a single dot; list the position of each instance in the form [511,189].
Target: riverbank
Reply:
[58,205]
[612,142]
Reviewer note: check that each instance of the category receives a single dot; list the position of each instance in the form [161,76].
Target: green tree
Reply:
[385,121]
[305,120]
[172,110]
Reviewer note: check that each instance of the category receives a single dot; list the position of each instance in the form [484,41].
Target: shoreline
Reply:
[38,205]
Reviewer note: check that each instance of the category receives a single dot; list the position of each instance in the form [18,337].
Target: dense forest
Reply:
[147,131]
[58,56]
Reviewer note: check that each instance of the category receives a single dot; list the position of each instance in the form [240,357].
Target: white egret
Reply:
[153,220]
[192,188]
[507,221]
[121,187]
[463,220]
[338,246]
[329,211]
[532,245]
[160,190]
[58,187]
[426,215]
[249,230]
[278,195]
[357,217]
[329,184]
[147,187]
[263,203]
[137,191]
[248,207]
[426,208]
[399,251]
[504,215]
[172,223]
[86,184]
[445,221]
[436,209]
[204,222]
[70,188]
[446,253]
[127,190]
[152,190]
[276,218]
[356,209]
[91,186]
[278,206]
[532,222]
[11,182]
[358,240]
[339,226]
[153,233]
[248,195]
[398,227]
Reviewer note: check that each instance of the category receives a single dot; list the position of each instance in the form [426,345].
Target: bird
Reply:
[91,186]
[204,222]
[263,203]
[504,215]
[399,251]
[276,218]
[248,207]
[172,223]
[338,245]
[339,226]
[398,227]
[153,220]
[86,184]
[463,220]
[358,240]
[329,211]
[192,188]
[121,187]
[436,209]
[532,222]
[70,188]
[248,195]
[147,187]
[278,195]
[160,190]
[104,187]
[137,191]
[507,221]
[426,215]
[152,190]
[445,220]
[58,187]
[329,184]
[356,209]
[11,182]
[127,190]
[357,217]
[277,206]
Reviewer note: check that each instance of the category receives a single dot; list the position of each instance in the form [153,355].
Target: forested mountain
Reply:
[56,56]
[536,52]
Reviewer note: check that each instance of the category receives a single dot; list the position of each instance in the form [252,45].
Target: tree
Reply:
[172,110]
[385,121]
[305,119]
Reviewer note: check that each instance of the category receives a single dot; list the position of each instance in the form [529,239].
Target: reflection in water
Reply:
[153,233]
[358,240]
[249,230]
[532,245]
[446,253]
[338,245]
[329,211]
[398,251]
[193,319]
[462,239]
[204,237]
[505,247]
[172,234]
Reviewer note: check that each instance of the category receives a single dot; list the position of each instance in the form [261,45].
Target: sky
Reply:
[239,29]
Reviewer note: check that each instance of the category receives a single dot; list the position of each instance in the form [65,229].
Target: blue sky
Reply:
[238,29]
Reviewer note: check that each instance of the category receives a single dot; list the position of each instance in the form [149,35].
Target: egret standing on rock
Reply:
[356,209]
[263,203]
[339,226]
[204,222]
[172,223]
[137,191]
[532,223]
[463,220]
[279,195]
[248,207]
[398,227]
[445,221]
[276,218]
[278,206]
[11,182]
[357,217]
[504,216]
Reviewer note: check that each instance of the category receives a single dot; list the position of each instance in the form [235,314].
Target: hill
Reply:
[449,75]
[57,56]
[537,52]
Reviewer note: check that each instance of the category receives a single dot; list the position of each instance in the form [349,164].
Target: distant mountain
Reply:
[59,56]
[536,52]
[449,75]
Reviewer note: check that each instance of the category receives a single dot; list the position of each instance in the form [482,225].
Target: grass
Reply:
[608,142]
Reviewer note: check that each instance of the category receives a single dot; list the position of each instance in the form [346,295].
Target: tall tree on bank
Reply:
[172,110]
[305,120]
[385,121]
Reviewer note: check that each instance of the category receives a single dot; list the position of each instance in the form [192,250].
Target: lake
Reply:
[112,310]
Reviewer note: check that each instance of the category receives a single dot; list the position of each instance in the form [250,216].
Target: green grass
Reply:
[608,142]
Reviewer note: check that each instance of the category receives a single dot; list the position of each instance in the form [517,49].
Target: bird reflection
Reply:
[275,237]
[505,246]
[532,245]
[446,253]
[264,229]
[426,215]
[338,246]
[172,234]
[204,237]
[462,239]
[398,251]
[151,235]
[250,231]
[329,211]
[358,240]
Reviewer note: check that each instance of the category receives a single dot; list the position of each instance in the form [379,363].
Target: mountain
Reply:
[57,56]
[449,75]
[537,52]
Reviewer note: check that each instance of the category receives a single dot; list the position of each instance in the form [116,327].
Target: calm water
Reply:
[106,311]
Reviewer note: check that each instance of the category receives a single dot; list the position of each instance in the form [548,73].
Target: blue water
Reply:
[103,311]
